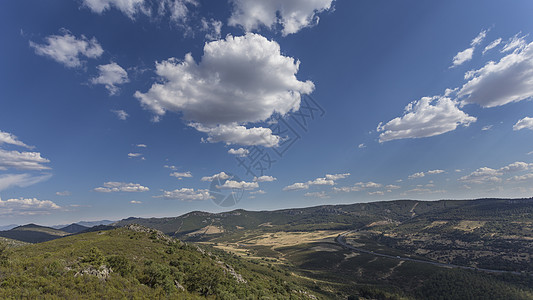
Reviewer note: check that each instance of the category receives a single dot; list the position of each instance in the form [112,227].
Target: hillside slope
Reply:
[136,263]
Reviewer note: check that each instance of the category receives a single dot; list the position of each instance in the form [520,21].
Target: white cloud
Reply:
[489,175]
[499,83]
[515,42]
[212,28]
[241,152]
[219,176]
[238,80]
[525,123]
[296,186]
[111,75]
[321,194]
[360,186]
[463,56]
[127,7]
[265,178]
[261,192]
[135,202]
[467,54]
[63,193]
[516,167]
[121,115]
[321,181]
[186,194]
[392,187]
[232,184]
[416,175]
[336,177]
[177,10]
[238,134]
[522,177]
[67,49]
[136,155]
[368,185]
[8,138]
[22,160]
[27,206]
[181,175]
[492,45]
[141,146]
[483,175]
[21,180]
[426,117]
[291,15]
[487,127]
[435,171]
[361,146]
[170,167]
[121,187]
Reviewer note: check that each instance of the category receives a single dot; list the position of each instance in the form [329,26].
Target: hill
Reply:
[32,233]
[74,228]
[137,263]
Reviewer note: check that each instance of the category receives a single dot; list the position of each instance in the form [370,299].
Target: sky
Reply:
[118,108]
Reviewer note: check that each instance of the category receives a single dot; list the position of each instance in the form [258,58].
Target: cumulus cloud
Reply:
[22,160]
[359,186]
[466,54]
[241,152]
[68,49]
[292,16]
[135,202]
[498,83]
[181,175]
[489,175]
[361,146]
[265,178]
[21,180]
[111,75]
[112,186]
[212,28]
[8,138]
[220,176]
[233,184]
[186,194]
[521,177]
[121,115]
[239,80]
[141,146]
[525,123]
[426,117]
[127,7]
[422,174]
[492,45]
[27,206]
[132,155]
[238,134]
[329,179]
[63,193]
[483,175]
[296,186]
[335,177]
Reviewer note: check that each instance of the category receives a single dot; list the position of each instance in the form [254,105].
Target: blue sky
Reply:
[111,109]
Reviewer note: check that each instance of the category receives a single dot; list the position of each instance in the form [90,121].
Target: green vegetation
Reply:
[136,263]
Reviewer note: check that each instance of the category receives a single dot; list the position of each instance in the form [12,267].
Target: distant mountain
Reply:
[87,224]
[32,233]
[8,227]
[332,217]
[74,228]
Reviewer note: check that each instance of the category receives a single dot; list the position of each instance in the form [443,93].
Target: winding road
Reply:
[341,240]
